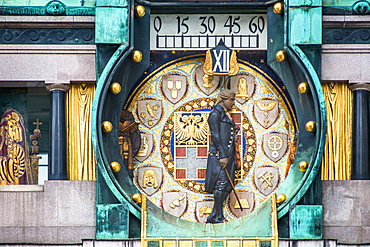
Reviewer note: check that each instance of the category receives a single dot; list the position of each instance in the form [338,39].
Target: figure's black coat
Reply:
[222,143]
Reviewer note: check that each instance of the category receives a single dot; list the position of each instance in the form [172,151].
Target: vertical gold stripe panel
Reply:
[81,161]
[337,160]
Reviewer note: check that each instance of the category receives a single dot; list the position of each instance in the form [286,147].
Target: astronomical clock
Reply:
[172,105]
[168,81]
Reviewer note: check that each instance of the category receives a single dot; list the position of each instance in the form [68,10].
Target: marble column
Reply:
[57,133]
[360,131]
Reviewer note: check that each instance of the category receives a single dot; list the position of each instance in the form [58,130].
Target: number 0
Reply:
[157,23]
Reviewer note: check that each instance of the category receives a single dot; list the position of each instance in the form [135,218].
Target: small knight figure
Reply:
[220,161]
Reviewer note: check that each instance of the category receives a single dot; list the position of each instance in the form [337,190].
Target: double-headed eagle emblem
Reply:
[191,128]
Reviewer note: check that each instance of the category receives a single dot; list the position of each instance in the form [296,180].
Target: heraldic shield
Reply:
[246,199]
[266,179]
[174,87]
[266,112]
[207,83]
[244,86]
[149,111]
[275,145]
[174,202]
[203,210]
[150,179]
[146,146]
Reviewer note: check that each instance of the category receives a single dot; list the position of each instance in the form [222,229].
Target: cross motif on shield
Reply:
[275,145]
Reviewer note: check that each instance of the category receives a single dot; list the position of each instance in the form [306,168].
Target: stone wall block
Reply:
[74,234]
[9,234]
[50,203]
[341,200]
[35,234]
[12,209]
[63,213]
[81,210]
[33,214]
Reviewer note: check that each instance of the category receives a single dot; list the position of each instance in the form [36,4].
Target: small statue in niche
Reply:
[129,139]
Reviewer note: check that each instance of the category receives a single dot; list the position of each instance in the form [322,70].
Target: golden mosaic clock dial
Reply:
[172,105]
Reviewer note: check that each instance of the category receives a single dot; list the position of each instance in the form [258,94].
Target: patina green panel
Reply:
[257,223]
[112,25]
[305,25]
[338,2]
[305,222]
[112,3]
[112,221]
[302,3]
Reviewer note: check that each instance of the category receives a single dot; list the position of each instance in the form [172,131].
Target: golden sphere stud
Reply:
[311,126]
[115,88]
[107,126]
[139,11]
[280,56]
[115,166]
[278,8]
[136,198]
[136,56]
[280,198]
[303,87]
[303,165]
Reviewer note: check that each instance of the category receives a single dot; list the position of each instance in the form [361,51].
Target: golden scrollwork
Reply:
[337,159]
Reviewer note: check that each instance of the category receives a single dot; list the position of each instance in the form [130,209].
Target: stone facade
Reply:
[58,212]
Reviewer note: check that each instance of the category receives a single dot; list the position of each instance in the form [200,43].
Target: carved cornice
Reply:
[75,22]
[28,10]
[57,86]
[346,36]
[47,36]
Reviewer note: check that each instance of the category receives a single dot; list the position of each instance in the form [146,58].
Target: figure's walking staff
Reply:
[232,185]
[231,182]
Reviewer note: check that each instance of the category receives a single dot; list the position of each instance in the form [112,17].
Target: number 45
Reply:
[231,23]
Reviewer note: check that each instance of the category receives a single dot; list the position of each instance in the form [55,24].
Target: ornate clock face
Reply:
[172,105]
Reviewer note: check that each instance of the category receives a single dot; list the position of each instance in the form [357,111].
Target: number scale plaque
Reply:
[204,31]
